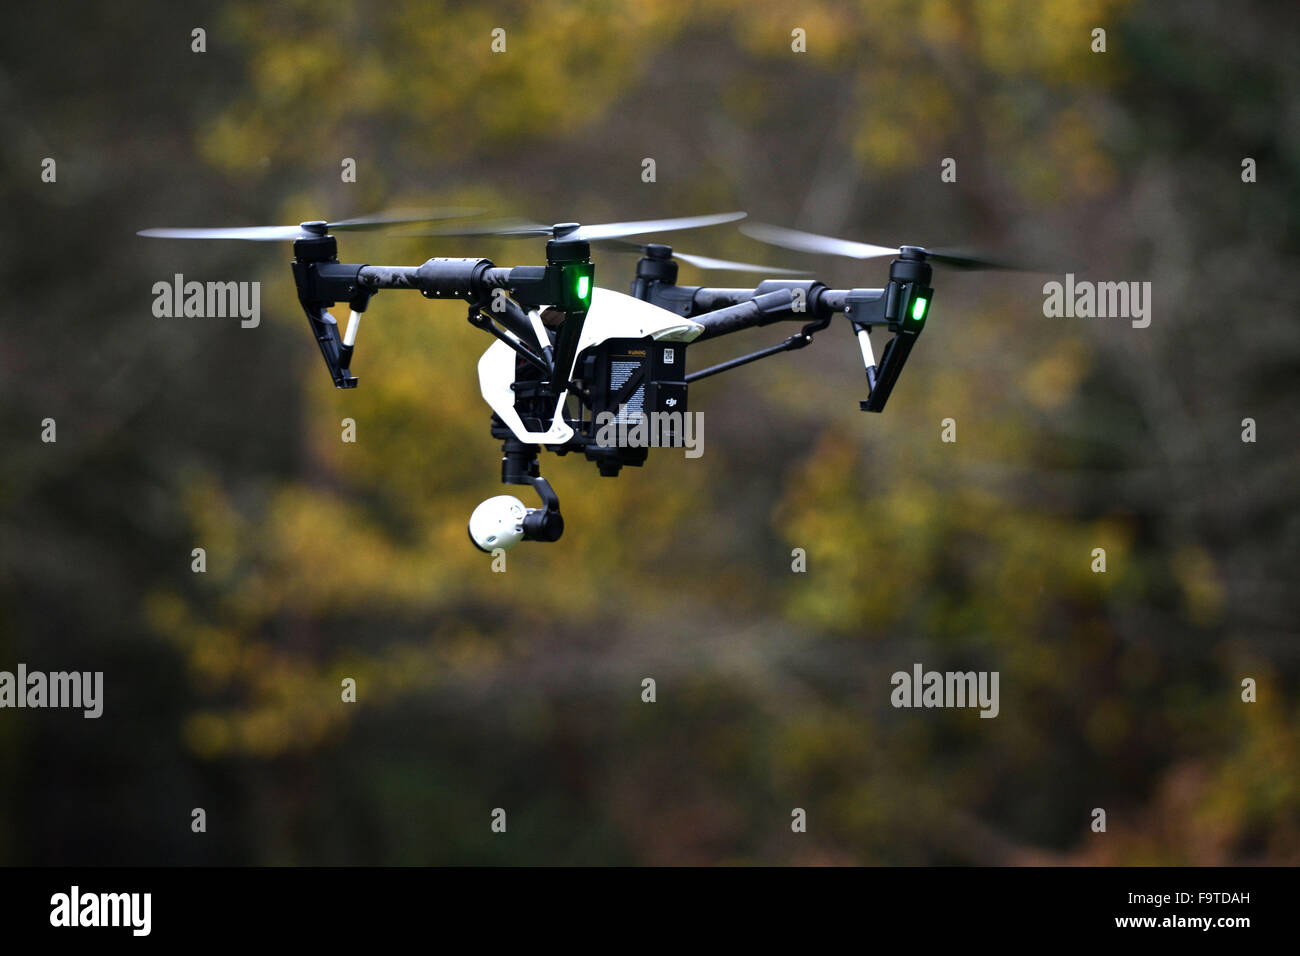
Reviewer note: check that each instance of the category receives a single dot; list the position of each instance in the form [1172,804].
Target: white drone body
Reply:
[498,522]
[611,315]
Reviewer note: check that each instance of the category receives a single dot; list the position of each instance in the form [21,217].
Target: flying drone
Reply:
[569,354]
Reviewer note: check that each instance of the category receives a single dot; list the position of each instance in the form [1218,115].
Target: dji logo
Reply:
[670,402]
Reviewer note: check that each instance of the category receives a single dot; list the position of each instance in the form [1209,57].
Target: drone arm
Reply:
[757,310]
[472,279]
[762,309]
[693,301]
[732,310]
[438,278]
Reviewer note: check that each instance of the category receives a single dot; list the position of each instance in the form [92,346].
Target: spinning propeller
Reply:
[522,228]
[609,234]
[308,229]
[658,251]
[829,245]
[613,236]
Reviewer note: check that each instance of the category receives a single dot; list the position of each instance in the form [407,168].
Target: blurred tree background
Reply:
[522,690]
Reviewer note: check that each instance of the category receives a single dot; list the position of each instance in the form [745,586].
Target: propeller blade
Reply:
[829,245]
[811,242]
[704,262]
[956,259]
[524,228]
[254,233]
[700,262]
[501,228]
[398,217]
[616,230]
[288,233]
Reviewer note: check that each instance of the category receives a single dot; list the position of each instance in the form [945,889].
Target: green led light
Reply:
[918,309]
[584,287]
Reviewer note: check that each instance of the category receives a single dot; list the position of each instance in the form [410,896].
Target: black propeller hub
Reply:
[559,251]
[657,264]
[317,227]
[563,229]
[910,266]
[315,247]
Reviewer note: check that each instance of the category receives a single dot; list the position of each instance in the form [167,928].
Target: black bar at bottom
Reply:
[926,906]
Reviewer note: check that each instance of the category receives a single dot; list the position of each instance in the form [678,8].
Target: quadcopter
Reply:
[570,356]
